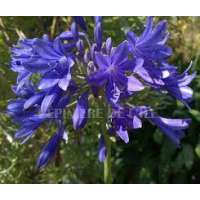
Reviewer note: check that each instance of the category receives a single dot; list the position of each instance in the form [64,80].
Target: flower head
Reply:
[54,74]
[151,44]
[111,73]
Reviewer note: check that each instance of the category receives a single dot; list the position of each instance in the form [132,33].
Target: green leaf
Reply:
[158,136]
[188,156]
[195,114]
[197,150]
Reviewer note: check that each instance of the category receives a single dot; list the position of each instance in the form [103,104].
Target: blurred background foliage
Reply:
[149,157]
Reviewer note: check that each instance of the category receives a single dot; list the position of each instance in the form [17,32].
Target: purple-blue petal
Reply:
[112,92]
[50,149]
[173,128]
[108,45]
[98,35]
[134,85]
[120,54]
[47,83]
[47,102]
[102,149]
[81,22]
[80,114]
[35,99]
[123,134]
[103,61]
[64,82]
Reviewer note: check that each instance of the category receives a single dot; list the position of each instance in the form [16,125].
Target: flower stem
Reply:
[107,162]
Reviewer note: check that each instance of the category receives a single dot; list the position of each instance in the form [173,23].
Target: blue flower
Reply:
[151,44]
[111,73]
[33,108]
[177,86]
[29,125]
[80,114]
[48,68]
[166,78]
[21,53]
[50,148]
[172,128]
[61,75]
[48,54]
[128,118]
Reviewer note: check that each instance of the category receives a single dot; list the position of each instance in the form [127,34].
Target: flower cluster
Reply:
[73,67]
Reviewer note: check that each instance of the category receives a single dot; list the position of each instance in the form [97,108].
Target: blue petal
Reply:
[74,30]
[120,54]
[123,134]
[186,93]
[15,106]
[137,123]
[50,149]
[64,82]
[186,80]
[80,47]
[183,94]
[46,50]
[98,78]
[26,132]
[63,102]
[173,128]
[103,61]
[176,123]
[148,28]
[134,85]
[98,35]
[37,98]
[98,19]
[29,126]
[58,46]
[38,65]
[132,38]
[47,83]
[80,114]
[81,22]
[47,102]
[102,149]
[37,118]
[67,35]
[108,45]
[159,35]
[112,92]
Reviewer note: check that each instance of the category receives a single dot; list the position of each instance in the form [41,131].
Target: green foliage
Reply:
[148,158]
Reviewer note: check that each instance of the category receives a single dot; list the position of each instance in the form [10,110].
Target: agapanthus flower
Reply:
[166,78]
[72,69]
[44,101]
[172,128]
[111,73]
[80,114]
[151,44]
[22,52]
[50,148]
[128,118]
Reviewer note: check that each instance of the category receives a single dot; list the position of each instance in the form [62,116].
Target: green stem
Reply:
[107,162]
